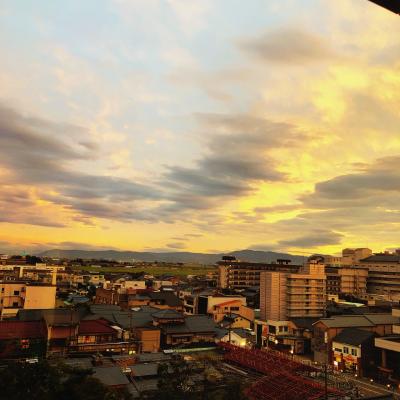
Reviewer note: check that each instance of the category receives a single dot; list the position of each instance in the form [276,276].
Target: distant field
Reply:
[156,270]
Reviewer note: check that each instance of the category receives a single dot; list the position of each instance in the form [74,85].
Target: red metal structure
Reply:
[284,378]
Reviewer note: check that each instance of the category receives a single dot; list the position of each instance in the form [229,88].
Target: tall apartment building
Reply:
[289,295]
[349,257]
[236,274]
[346,280]
[383,274]
[353,256]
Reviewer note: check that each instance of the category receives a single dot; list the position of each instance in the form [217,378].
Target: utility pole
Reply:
[326,380]
[230,325]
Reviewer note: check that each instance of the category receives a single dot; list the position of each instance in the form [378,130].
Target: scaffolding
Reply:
[283,377]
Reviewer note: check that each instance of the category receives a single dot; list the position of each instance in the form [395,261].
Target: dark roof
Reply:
[99,327]
[53,317]
[167,298]
[353,336]
[305,323]
[167,314]
[348,321]
[22,330]
[137,318]
[192,324]
[148,369]
[382,258]
[110,376]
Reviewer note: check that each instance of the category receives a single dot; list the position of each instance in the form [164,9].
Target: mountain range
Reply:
[172,257]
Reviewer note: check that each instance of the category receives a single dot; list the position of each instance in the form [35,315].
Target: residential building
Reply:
[284,295]
[16,295]
[234,274]
[325,330]
[383,274]
[22,339]
[236,336]
[353,351]
[346,280]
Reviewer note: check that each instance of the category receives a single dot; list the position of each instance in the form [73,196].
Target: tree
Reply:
[42,381]
[175,381]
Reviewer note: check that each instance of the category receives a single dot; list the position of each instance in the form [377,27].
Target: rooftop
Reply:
[110,376]
[382,258]
[353,336]
[22,330]
[365,320]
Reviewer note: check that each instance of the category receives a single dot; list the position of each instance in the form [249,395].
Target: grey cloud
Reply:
[68,245]
[176,245]
[237,158]
[290,46]
[37,152]
[313,239]
[277,208]
[373,185]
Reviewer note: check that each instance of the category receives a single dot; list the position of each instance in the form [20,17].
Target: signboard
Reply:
[265,331]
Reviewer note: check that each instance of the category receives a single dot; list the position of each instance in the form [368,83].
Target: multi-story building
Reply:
[288,296]
[284,295]
[234,274]
[16,295]
[383,274]
[346,280]
[353,256]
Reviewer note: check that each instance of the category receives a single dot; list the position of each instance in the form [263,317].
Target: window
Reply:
[354,352]
[234,308]
[345,350]
[16,292]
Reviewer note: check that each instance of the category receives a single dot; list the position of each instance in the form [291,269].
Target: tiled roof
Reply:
[353,336]
[22,330]
[110,376]
[192,324]
[168,298]
[348,321]
[88,327]
[305,323]
[344,321]
[167,314]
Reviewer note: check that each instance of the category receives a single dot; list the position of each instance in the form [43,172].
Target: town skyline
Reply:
[205,127]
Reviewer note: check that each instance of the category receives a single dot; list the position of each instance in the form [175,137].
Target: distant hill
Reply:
[173,257]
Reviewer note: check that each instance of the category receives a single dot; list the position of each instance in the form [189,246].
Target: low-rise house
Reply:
[353,351]
[236,321]
[177,329]
[22,339]
[96,335]
[326,329]
[236,336]
[162,300]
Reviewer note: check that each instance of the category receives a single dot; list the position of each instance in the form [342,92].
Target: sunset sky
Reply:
[199,125]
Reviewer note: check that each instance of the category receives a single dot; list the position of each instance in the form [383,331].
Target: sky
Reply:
[199,125]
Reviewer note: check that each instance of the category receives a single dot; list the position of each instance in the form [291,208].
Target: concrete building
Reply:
[16,295]
[234,274]
[346,280]
[353,351]
[383,274]
[353,256]
[284,296]
[326,329]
